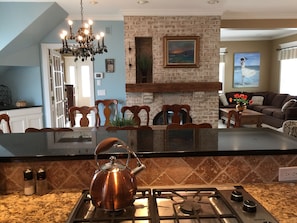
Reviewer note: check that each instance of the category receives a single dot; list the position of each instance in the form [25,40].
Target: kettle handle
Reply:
[107,143]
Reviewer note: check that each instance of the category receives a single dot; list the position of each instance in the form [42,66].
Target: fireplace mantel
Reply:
[174,87]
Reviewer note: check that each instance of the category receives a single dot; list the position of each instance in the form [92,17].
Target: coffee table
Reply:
[247,117]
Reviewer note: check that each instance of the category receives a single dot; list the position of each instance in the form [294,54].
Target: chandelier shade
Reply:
[85,45]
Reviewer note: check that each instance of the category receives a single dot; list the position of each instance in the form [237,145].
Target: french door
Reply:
[57,89]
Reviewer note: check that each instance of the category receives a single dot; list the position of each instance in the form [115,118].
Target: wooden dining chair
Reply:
[178,111]
[5,118]
[84,111]
[110,108]
[236,118]
[48,130]
[135,110]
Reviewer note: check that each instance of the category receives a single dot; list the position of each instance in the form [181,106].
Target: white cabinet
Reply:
[23,118]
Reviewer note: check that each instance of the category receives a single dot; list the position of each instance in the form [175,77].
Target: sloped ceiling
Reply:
[30,23]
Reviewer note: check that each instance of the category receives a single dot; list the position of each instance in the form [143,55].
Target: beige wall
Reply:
[270,66]
[275,64]
[263,47]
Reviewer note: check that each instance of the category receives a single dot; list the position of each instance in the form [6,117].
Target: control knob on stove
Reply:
[236,195]
[249,206]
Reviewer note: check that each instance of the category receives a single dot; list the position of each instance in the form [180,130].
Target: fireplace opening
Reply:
[159,118]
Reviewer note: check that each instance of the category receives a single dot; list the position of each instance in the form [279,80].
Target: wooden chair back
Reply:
[109,106]
[6,119]
[84,111]
[135,110]
[48,130]
[177,113]
[236,115]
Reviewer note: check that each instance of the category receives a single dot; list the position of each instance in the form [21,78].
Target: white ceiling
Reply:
[227,9]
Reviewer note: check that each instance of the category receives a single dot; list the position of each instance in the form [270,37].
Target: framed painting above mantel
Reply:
[181,51]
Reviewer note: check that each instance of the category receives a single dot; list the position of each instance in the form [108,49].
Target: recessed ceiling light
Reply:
[213,1]
[93,2]
[142,1]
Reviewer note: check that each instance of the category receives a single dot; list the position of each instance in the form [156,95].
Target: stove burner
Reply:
[190,206]
[236,196]
[249,206]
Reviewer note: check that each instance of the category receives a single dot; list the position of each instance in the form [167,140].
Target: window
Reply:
[222,67]
[288,76]
[222,75]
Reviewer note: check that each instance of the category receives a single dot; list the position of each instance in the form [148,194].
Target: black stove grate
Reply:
[203,205]
[178,205]
[141,211]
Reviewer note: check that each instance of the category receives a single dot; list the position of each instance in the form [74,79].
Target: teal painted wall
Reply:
[25,80]
[112,83]
[24,84]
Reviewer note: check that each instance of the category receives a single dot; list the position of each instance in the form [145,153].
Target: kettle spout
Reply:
[138,169]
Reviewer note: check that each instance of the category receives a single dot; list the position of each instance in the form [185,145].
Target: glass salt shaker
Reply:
[29,185]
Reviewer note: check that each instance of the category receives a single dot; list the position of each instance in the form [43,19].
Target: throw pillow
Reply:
[223,99]
[257,100]
[288,104]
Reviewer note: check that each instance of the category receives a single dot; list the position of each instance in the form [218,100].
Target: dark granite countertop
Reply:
[11,107]
[81,143]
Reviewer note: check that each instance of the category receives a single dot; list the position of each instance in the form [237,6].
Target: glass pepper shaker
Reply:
[41,182]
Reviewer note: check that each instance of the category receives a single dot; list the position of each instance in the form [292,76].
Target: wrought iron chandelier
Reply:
[84,37]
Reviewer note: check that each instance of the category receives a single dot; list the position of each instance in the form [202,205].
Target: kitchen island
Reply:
[280,199]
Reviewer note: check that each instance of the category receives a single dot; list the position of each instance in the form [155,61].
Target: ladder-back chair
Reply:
[84,111]
[177,113]
[236,119]
[135,110]
[110,108]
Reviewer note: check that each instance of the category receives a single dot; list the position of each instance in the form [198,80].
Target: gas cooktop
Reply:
[179,205]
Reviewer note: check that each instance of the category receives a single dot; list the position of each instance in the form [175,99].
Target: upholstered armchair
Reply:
[290,127]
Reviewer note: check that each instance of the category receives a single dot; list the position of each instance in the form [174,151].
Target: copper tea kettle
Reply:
[114,185]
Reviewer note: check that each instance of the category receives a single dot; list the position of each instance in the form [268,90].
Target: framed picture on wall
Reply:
[109,65]
[181,51]
[246,70]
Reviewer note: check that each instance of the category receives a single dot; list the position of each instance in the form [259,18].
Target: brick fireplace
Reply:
[203,102]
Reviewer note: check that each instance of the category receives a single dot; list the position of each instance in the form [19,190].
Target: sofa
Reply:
[276,108]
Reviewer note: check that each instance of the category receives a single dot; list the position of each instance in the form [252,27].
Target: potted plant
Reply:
[144,67]
[120,122]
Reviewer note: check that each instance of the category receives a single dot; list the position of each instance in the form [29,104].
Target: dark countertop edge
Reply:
[12,107]
[148,155]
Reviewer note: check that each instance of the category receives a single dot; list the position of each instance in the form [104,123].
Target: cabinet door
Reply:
[23,118]
[34,121]
[17,124]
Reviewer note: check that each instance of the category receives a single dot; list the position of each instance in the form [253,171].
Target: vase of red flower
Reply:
[241,101]
[240,108]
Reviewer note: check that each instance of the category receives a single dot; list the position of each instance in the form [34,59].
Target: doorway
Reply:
[79,74]
[50,117]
